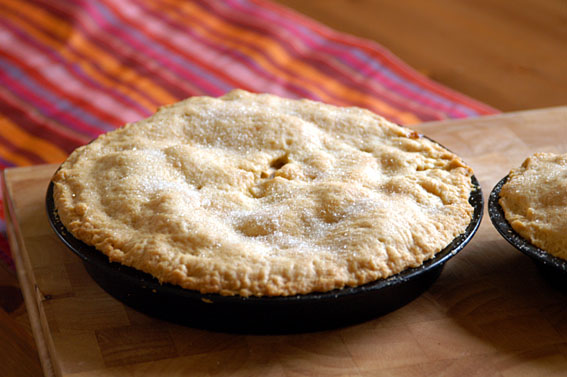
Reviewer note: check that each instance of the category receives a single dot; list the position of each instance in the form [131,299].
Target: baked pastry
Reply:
[534,201]
[252,194]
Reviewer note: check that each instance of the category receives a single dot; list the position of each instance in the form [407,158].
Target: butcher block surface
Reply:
[490,313]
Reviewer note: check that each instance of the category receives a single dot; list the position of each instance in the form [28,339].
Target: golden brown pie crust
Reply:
[534,200]
[253,194]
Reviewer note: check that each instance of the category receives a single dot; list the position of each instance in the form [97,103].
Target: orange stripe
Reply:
[12,100]
[12,157]
[93,55]
[281,57]
[20,138]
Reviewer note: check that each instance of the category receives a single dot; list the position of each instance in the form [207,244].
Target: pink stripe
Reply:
[124,55]
[56,74]
[411,101]
[244,71]
[75,69]
[328,66]
[171,36]
[410,75]
[374,49]
[96,29]
[40,103]
[337,99]
[202,86]
[43,125]
[327,57]
[175,43]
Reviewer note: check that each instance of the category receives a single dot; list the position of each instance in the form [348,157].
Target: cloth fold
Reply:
[72,70]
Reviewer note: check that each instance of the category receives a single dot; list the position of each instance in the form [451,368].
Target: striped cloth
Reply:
[70,70]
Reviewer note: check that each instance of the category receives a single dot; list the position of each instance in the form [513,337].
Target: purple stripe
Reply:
[28,155]
[354,57]
[74,67]
[324,65]
[171,36]
[50,104]
[268,58]
[249,62]
[239,58]
[204,81]
[315,41]
[412,90]
[245,57]
[177,58]
[309,37]
[119,52]
[29,120]
[291,50]
[335,67]
[3,165]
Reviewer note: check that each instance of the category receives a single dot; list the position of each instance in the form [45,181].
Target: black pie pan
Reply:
[553,269]
[263,315]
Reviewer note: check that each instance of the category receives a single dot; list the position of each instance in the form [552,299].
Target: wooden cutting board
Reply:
[489,314]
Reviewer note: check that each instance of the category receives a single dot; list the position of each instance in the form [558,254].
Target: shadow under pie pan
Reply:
[553,269]
[263,315]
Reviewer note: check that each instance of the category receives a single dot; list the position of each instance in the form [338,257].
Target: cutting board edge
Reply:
[26,285]
[531,112]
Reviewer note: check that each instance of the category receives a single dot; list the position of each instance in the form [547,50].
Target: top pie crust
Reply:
[534,199]
[252,194]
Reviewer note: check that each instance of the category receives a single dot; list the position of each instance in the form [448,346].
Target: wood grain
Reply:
[510,54]
[19,355]
[490,314]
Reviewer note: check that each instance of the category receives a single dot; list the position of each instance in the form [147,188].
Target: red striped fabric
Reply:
[72,70]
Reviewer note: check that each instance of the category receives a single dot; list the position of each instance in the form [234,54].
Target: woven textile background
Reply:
[70,70]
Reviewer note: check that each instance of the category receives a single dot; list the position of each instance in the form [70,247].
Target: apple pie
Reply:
[534,201]
[257,195]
